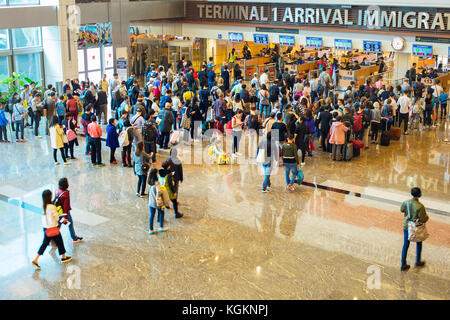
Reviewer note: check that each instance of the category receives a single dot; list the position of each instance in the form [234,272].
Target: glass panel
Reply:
[108,58]
[26,37]
[23,2]
[2,2]
[29,64]
[4,72]
[81,77]
[3,39]
[93,59]
[95,76]
[80,60]
[109,73]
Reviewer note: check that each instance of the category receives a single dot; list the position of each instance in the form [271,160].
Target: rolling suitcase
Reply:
[348,151]
[174,137]
[395,133]
[385,138]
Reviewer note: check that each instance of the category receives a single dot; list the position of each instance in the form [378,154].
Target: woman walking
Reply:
[141,167]
[413,210]
[63,195]
[51,230]
[158,200]
[57,140]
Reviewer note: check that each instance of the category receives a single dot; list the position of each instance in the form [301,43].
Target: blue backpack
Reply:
[60,108]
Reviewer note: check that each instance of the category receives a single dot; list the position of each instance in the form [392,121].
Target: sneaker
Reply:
[144,195]
[264,190]
[405,267]
[100,164]
[419,264]
[57,163]
[302,164]
[67,163]
[151,232]
[18,140]
[78,240]
[238,154]
[155,162]
[24,140]
[178,215]
[67,259]
[7,141]
[73,158]
[35,265]
[138,194]
[406,133]
[113,162]
[38,137]
[163,229]
[291,187]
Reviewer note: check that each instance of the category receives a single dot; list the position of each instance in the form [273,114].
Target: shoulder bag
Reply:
[417,231]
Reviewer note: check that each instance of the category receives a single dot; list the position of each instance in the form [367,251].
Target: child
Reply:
[3,123]
[112,139]
[158,199]
[60,109]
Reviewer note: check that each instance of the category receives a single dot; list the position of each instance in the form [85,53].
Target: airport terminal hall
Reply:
[224,150]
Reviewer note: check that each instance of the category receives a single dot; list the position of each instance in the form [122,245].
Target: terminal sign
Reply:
[354,17]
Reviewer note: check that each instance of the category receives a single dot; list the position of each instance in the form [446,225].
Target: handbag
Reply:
[186,122]
[52,232]
[417,231]
[71,135]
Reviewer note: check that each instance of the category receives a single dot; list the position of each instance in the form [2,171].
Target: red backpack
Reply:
[229,127]
[357,124]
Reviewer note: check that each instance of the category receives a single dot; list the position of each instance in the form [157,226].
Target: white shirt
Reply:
[437,90]
[404,102]
[50,219]
[264,79]
[176,103]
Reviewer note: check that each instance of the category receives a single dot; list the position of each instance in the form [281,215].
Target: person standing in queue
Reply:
[95,133]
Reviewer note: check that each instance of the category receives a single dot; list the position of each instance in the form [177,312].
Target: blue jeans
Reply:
[175,115]
[288,167]
[236,140]
[267,171]
[73,235]
[88,145]
[406,246]
[19,127]
[160,217]
[265,109]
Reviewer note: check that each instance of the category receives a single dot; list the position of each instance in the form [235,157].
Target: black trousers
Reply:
[58,241]
[37,120]
[375,129]
[175,205]
[142,179]
[111,157]
[3,133]
[96,150]
[69,146]
[405,118]
[151,147]
[63,154]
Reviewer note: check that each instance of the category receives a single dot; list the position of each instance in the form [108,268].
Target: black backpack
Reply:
[149,132]
[253,122]
[273,92]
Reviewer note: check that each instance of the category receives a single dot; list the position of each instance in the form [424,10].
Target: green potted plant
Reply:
[14,84]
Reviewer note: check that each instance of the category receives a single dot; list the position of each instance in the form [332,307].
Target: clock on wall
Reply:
[398,43]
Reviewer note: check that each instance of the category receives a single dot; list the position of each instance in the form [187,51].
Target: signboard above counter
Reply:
[383,18]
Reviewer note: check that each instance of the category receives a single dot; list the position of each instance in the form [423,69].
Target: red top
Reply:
[218,126]
[65,200]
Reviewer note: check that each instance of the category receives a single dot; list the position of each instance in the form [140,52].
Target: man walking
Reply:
[290,160]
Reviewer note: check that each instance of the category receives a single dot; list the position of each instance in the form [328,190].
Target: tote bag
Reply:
[417,232]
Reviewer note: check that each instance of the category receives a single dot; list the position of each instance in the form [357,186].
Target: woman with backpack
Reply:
[63,199]
[57,139]
[69,127]
[85,121]
[141,166]
[417,108]
[158,199]
[51,230]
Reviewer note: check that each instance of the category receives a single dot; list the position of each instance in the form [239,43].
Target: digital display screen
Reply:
[372,46]
[313,42]
[342,44]
[235,37]
[288,41]
[422,50]
[261,38]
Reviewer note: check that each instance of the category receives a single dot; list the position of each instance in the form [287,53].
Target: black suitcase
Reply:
[385,138]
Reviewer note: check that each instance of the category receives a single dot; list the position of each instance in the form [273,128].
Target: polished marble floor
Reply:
[339,236]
